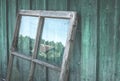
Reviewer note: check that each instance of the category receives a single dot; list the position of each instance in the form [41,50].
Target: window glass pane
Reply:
[27,34]
[20,70]
[53,40]
[40,73]
[53,75]
[43,73]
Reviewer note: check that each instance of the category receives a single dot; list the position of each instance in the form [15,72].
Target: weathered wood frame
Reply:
[64,69]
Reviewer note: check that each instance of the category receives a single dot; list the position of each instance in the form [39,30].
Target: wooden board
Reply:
[88,39]
[107,50]
[3,39]
[105,11]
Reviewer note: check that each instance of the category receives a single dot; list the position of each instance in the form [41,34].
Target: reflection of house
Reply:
[46,48]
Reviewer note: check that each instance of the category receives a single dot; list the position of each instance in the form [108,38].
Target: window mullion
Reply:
[39,32]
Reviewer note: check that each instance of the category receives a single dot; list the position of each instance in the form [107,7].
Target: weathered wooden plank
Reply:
[36,61]
[117,39]
[21,56]
[53,5]
[83,67]
[47,65]
[15,38]
[3,38]
[107,38]
[74,74]
[61,14]
[86,60]
[38,5]
[11,19]
[53,14]
[63,5]
[23,4]
[11,25]
[68,49]
[10,65]
[1,30]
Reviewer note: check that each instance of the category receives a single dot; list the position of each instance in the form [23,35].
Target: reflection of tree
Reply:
[25,44]
[51,48]
[52,51]
[47,49]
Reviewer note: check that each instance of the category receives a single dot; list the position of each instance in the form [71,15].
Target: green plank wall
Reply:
[96,55]
[3,39]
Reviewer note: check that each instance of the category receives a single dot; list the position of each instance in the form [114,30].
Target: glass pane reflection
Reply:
[20,69]
[27,35]
[53,40]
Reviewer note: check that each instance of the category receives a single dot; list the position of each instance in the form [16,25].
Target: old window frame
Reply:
[64,69]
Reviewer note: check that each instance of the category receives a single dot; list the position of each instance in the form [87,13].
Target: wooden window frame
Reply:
[64,69]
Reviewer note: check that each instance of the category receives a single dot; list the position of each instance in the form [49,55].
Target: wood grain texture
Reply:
[53,5]
[38,4]
[23,4]
[3,39]
[74,74]
[83,63]
[11,19]
[107,49]
[96,55]
[68,49]
[0,37]
[117,39]
[88,40]
[43,13]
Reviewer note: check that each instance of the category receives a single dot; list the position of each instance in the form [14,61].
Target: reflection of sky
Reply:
[55,30]
[28,26]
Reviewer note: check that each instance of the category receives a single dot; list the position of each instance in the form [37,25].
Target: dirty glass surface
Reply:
[20,70]
[27,35]
[53,40]
[43,73]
